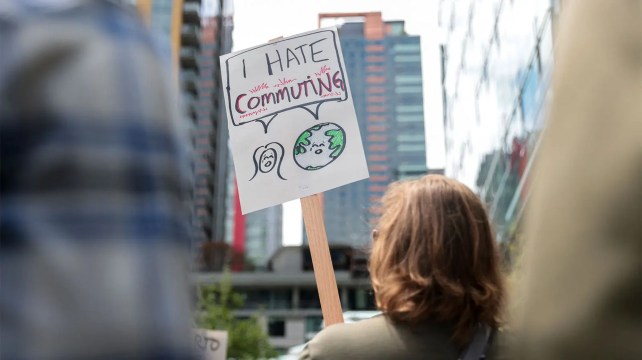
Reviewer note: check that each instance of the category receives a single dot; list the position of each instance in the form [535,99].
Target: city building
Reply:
[383,66]
[196,33]
[285,298]
[497,59]
[253,237]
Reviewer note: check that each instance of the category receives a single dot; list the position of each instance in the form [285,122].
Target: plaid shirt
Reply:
[93,219]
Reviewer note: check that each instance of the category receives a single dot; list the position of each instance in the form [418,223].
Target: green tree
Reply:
[215,311]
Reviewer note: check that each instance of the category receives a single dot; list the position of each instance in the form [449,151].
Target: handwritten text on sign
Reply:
[293,128]
[313,57]
[211,344]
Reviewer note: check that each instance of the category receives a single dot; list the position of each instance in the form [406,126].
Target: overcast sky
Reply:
[258,21]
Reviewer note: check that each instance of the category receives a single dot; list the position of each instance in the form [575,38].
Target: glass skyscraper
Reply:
[497,59]
[383,65]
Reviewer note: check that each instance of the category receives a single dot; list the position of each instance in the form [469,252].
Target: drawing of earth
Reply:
[319,145]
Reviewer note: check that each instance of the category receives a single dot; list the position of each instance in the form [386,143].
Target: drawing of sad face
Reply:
[318,146]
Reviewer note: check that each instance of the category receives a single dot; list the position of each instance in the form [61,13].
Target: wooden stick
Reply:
[321,261]
[320,252]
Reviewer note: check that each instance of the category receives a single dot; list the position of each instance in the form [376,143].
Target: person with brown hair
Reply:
[436,276]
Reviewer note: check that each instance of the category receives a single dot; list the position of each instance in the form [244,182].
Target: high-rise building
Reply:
[383,65]
[497,58]
[263,235]
[196,33]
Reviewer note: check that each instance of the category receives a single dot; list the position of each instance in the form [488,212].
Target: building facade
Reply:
[497,59]
[263,236]
[195,34]
[285,298]
[383,65]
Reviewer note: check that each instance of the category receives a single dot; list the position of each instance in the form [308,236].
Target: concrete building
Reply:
[285,298]
[497,59]
[197,33]
[383,65]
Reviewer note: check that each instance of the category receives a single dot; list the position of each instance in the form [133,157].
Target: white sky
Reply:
[258,21]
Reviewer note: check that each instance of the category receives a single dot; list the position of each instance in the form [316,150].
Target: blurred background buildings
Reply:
[496,63]
[383,65]
[195,33]
[496,59]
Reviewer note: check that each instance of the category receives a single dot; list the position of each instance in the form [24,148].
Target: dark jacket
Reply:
[380,338]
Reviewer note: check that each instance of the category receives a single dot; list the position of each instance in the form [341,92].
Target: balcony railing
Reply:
[188,57]
[192,12]
[191,34]
[190,78]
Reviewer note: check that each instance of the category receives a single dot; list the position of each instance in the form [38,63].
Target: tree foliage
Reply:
[215,311]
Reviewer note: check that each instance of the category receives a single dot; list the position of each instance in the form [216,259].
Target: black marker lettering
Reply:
[317,52]
[300,48]
[269,64]
[291,58]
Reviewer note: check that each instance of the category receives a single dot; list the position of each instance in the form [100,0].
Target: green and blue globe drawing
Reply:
[319,145]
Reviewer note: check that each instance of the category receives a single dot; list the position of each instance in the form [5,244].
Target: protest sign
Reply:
[293,128]
[294,134]
[211,344]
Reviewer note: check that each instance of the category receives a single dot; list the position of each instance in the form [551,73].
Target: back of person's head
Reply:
[434,257]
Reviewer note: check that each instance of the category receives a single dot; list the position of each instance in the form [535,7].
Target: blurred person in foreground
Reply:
[436,276]
[94,237]
[580,296]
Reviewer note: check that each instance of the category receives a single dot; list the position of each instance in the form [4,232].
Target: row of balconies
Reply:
[192,12]
[190,34]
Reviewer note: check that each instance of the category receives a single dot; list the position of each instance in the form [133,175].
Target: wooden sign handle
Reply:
[320,252]
[321,261]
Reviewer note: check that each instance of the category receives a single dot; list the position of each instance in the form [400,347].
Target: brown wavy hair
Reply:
[434,256]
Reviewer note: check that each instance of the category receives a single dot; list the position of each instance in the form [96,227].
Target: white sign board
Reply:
[293,128]
[211,344]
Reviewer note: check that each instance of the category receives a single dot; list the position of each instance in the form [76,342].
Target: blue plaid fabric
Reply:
[94,244]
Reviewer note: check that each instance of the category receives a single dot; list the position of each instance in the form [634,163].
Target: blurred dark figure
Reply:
[94,242]
[581,296]
[436,276]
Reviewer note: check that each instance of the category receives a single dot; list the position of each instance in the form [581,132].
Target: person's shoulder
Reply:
[352,331]
[380,338]
[346,341]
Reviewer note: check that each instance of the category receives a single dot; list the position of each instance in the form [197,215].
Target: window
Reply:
[270,299]
[410,118]
[546,45]
[410,147]
[412,47]
[529,95]
[410,137]
[361,299]
[408,168]
[409,108]
[313,324]
[276,327]
[408,58]
[408,89]
[408,79]
[309,299]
